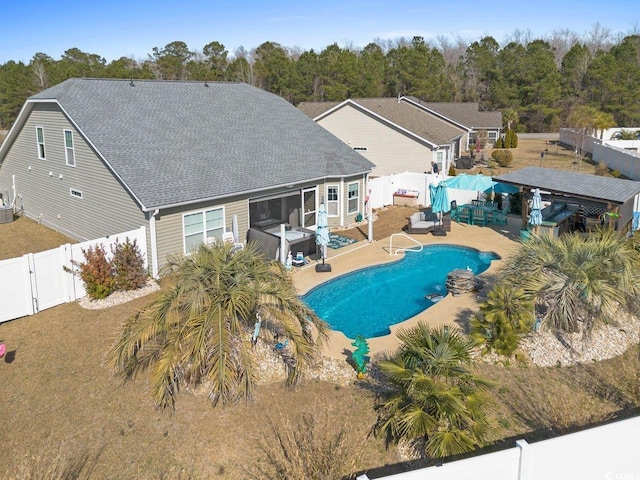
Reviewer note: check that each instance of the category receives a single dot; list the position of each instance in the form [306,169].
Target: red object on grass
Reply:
[3,348]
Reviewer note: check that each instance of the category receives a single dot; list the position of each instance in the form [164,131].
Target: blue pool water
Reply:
[368,301]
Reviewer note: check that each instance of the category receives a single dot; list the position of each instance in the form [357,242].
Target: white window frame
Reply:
[203,226]
[335,202]
[492,136]
[69,151]
[41,150]
[350,198]
[75,193]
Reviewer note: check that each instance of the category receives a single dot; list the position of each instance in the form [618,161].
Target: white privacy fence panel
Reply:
[48,277]
[15,289]
[607,451]
[37,281]
[383,188]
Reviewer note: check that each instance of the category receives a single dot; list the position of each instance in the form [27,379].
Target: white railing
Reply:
[403,249]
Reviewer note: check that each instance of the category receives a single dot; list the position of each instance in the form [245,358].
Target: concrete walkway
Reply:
[500,239]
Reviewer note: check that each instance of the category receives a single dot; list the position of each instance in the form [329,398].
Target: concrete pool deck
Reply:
[500,239]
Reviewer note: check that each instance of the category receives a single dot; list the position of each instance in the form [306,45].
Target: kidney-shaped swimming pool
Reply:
[366,302]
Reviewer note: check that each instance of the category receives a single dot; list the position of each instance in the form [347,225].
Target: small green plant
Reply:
[128,266]
[499,143]
[503,318]
[503,157]
[452,171]
[510,139]
[97,272]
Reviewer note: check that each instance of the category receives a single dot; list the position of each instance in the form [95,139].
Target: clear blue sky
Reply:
[116,28]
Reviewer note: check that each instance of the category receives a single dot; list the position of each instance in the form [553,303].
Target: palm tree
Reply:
[433,395]
[579,279]
[504,317]
[197,331]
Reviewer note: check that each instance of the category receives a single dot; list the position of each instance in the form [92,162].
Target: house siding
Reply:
[169,228]
[344,201]
[43,186]
[391,150]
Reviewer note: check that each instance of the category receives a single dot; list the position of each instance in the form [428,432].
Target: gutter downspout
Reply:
[154,244]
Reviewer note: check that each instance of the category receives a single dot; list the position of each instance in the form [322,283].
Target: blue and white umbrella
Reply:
[535,217]
[322,231]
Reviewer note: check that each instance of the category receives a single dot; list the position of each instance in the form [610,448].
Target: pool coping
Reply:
[451,310]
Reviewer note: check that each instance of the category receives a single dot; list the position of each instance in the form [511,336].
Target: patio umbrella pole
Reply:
[322,238]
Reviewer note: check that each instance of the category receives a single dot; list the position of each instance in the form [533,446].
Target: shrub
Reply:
[504,317]
[510,139]
[311,446]
[503,157]
[128,266]
[601,169]
[97,272]
[616,173]
[452,171]
[499,143]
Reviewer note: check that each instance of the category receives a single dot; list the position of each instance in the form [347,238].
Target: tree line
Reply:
[537,83]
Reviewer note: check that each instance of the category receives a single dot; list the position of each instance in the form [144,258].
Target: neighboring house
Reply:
[396,134]
[466,115]
[93,157]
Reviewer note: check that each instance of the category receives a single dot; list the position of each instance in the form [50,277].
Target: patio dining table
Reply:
[479,213]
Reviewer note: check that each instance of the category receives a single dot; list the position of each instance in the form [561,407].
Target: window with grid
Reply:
[68,148]
[202,227]
[40,140]
[333,202]
[352,197]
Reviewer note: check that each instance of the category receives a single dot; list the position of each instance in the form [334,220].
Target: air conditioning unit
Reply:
[6,214]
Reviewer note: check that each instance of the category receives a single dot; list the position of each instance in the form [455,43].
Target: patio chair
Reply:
[227,237]
[454,210]
[464,215]
[499,217]
[480,216]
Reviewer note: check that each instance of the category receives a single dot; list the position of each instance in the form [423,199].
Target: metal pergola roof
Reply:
[578,185]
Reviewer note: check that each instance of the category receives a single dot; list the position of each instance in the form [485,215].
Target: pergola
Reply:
[618,196]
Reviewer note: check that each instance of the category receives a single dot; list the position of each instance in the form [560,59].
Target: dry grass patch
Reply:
[541,402]
[57,390]
[23,235]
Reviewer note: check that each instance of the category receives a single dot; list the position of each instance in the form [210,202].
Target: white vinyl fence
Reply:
[604,452]
[37,281]
[383,188]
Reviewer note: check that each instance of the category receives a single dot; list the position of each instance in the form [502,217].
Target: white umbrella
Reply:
[234,229]
[535,217]
[322,238]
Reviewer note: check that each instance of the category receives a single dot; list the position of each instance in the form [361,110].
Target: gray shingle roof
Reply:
[466,113]
[180,142]
[401,113]
[579,184]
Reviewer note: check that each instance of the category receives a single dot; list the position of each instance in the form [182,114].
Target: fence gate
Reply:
[37,281]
